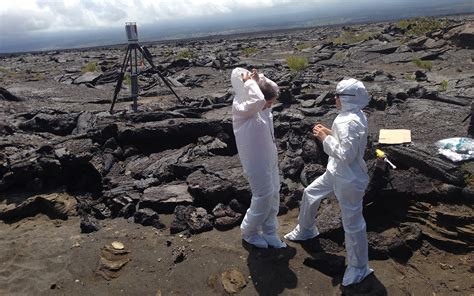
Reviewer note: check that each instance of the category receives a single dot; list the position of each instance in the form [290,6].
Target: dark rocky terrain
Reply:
[173,167]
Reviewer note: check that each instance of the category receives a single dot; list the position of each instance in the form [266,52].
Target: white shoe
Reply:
[299,234]
[256,240]
[274,241]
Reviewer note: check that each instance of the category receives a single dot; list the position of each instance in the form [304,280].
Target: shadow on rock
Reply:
[269,269]
[321,258]
[369,286]
[333,265]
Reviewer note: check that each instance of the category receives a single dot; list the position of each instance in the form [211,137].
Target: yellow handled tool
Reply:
[380,154]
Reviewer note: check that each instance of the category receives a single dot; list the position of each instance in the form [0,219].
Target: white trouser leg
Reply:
[262,196]
[312,196]
[270,225]
[350,200]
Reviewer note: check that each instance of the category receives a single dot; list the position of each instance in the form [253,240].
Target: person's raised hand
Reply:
[254,75]
[323,128]
[319,131]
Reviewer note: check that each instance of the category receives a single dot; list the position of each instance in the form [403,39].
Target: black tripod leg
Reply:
[467,117]
[169,85]
[147,56]
[134,77]
[118,86]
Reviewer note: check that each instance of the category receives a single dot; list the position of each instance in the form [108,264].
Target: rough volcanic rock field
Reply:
[166,181]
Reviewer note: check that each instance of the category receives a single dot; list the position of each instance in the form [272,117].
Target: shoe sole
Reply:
[300,239]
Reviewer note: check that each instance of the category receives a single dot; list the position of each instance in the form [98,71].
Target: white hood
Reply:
[359,97]
[238,84]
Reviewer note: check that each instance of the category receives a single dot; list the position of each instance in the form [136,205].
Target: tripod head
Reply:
[131,59]
[132,32]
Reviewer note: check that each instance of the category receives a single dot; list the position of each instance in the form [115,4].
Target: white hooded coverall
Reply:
[254,135]
[346,176]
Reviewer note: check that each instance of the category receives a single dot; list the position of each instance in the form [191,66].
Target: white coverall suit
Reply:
[346,176]
[254,135]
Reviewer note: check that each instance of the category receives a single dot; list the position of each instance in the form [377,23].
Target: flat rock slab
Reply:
[89,77]
[384,49]
[209,189]
[155,165]
[163,199]
[58,124]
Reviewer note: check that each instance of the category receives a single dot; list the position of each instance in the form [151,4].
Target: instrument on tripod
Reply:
[131,59]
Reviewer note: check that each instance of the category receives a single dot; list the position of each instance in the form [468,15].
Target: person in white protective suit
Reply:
[346,176]
[253,129]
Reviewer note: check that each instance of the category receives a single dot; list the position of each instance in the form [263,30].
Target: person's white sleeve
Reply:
[346,150]
[254,103]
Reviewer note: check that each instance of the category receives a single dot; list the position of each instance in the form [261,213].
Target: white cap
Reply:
[352,94]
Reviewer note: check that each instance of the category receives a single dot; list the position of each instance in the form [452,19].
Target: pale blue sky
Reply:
[27,25]
[65,15]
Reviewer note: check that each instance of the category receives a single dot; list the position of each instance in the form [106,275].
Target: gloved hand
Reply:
[250,75]
[321,132]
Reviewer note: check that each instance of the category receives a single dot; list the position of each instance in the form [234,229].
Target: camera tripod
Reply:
[131,59]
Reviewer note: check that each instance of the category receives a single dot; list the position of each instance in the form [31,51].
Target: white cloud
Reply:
[19,16]
[55,15]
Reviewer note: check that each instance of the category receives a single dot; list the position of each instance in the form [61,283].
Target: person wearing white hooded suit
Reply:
[253,129]
[345,176]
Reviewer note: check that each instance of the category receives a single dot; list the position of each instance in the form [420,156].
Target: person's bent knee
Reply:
[307,193]
[311,197]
